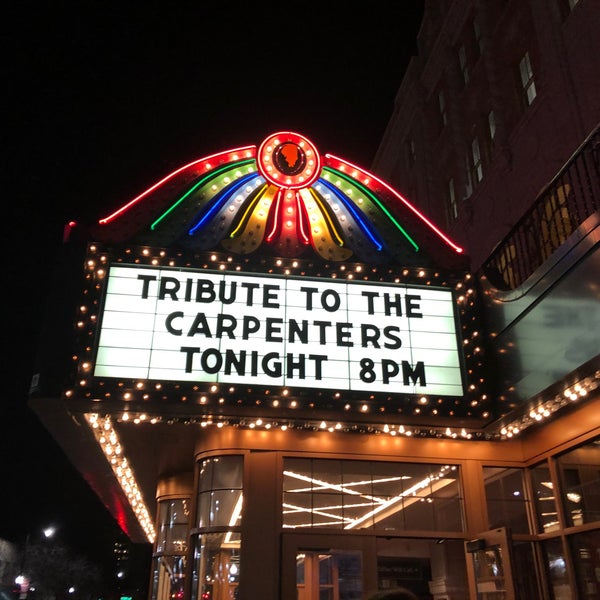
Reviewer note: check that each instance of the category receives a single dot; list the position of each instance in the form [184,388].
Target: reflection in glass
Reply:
[580,480]
[525,570]
[489,573]
[171,547]
[556,568]
[220,492]
[544,499]
[507,502]
[216,564]
[347,495]
[585,549]
[217,567]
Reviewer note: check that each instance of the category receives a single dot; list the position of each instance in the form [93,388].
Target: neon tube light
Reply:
[448,241]
[209,177]
[173,174]
[348,204]
[221,198]
[374,199]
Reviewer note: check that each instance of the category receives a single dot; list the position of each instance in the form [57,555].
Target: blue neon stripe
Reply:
[348,204]
[219,200]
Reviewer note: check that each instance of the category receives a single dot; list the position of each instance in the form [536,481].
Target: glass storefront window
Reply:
[343,494]
[217,541]
[580,483]
[430,568]
[220,492]
[506,500]
[556,566]
[171,547]
[217,567]
[173,517]
[525,570]
[544,499]
[585,550]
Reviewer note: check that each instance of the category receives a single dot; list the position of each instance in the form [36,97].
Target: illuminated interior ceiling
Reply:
[284,198]
[364,509]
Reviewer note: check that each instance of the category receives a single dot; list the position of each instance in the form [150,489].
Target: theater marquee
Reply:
[202,326]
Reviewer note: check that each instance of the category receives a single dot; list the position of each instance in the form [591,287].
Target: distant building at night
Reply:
[287,374]
[9,569]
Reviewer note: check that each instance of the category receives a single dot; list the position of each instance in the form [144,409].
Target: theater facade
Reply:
[272,367]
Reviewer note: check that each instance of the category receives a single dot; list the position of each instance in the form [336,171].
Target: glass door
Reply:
[489,565]
[329,575]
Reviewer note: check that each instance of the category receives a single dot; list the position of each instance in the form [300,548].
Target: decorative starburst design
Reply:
[283,197]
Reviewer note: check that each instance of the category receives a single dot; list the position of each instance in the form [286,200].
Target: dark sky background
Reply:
[102,99]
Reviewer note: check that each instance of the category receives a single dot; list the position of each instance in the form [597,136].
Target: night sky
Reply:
[104,99]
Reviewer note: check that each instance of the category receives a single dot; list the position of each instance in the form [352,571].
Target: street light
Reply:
[23,580]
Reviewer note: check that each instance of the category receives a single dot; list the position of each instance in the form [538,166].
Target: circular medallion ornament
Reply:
[289,160]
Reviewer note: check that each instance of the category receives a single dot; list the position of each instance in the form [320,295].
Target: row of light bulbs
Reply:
[107,437]
[97,269]
[547,408]
[109,442]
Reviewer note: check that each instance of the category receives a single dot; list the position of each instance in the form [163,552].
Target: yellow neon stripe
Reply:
[248,212]
[324,215]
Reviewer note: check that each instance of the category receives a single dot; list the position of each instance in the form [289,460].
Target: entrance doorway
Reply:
[349,567]
[329,575]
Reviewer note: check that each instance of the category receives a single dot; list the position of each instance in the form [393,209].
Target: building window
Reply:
[411,152]
[356,495]
[556,222]
[476,163]
[451,206]
[462,61]
[469,178]
[217,537]
[470,50]
[527,81]
[491,125]
[566,7]
[477,35]
[442,108]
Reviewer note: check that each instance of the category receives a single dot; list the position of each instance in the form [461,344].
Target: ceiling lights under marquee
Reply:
[283,198]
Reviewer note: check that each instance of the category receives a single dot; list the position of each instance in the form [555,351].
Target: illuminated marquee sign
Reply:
[185,325]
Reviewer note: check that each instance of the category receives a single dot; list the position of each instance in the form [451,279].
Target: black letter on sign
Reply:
[146,279]
[413,374]
[169,322]
[189,354]
[217,359]
[390,368]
